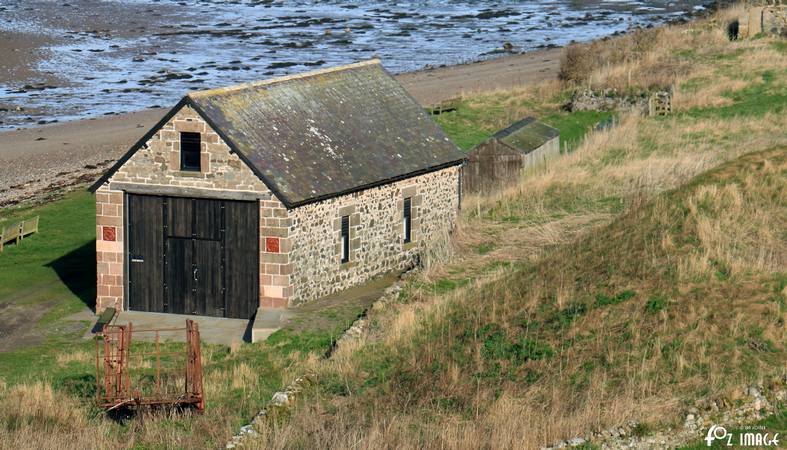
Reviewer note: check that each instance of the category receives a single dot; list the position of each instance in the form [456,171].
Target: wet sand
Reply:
[37,163]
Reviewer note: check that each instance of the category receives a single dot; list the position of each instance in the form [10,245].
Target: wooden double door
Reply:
[193,256]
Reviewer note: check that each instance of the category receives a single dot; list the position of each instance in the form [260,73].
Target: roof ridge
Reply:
[269,81]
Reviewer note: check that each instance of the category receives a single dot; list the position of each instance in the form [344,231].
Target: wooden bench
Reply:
[18,231]
[105,318]
[444,106]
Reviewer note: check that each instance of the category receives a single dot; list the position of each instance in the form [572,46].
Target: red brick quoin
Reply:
[272,245]
[109,234]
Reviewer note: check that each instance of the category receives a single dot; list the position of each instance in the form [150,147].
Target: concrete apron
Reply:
[218,330]
[212,330]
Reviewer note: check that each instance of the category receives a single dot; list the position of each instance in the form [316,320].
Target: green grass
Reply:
[766,94]
[575,125]
[474,122]
[779,46]
[56,264]
[55,270]
[469,126]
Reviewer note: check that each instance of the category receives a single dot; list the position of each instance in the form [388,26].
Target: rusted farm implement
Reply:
[148,371]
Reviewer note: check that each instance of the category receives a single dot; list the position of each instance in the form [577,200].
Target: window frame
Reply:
[190,138]
[407,219]
[345,239]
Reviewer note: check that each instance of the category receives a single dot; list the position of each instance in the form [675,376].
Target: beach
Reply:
[79,87]
[38,162]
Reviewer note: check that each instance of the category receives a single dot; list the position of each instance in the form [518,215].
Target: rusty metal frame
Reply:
[120,383]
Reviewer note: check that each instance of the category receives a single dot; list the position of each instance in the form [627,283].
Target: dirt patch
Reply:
[18,325]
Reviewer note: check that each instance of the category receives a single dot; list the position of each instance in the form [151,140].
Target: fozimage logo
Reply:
[745,438]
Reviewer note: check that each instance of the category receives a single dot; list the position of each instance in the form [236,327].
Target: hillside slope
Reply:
[676,304]
[637,278]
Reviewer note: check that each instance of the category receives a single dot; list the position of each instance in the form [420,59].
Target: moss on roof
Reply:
[327,132]
[526,135]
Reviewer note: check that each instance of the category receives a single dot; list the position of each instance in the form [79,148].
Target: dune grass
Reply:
[645,316]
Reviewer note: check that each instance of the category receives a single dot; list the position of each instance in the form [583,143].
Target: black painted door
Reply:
[146,253]
[178,290]
[207,287]
[241,260]
[195,244]
[208,256]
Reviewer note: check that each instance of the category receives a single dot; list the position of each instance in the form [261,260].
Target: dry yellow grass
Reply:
[623,363]
[595,379]
[34,416]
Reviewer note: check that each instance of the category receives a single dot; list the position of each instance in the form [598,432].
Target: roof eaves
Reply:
[378,183]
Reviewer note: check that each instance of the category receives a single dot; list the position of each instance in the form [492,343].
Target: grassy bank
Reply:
[638,276]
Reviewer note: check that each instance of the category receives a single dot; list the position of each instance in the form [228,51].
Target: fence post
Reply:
[194,365]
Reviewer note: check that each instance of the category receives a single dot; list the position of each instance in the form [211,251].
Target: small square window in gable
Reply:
[190,146]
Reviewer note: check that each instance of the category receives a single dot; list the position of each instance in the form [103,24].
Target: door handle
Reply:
[194,274]
[137,259]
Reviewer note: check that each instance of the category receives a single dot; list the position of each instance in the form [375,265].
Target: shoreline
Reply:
[38,162]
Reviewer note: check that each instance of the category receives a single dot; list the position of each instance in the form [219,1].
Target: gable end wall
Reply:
[157,164]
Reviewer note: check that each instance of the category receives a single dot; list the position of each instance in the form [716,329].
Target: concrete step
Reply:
[267,321]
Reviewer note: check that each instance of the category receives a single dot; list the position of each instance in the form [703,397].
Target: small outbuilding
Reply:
[273,193]
[501,159]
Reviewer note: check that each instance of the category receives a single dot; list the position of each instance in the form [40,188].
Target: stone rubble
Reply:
[283,399]
[613,100]
[280,400]
[695,424]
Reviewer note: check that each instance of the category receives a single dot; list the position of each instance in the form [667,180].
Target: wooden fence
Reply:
[18,231]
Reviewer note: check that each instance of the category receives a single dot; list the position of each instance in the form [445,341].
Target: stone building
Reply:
[273,193]
[768,17]
[501,159]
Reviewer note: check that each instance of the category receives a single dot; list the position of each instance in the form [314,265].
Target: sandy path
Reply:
[41,161]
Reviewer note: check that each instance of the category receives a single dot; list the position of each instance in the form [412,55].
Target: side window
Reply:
[190,152]
[407,220]
[345,239]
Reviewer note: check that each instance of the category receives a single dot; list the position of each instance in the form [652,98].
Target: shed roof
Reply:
[328,132]
[526,135]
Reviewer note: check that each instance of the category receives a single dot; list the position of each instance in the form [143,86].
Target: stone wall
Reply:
[376,233]
[109,248]
[276,245]
[300,249]
[758,19]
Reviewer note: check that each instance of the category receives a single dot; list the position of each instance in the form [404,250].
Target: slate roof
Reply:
[526,135]
[326,133]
